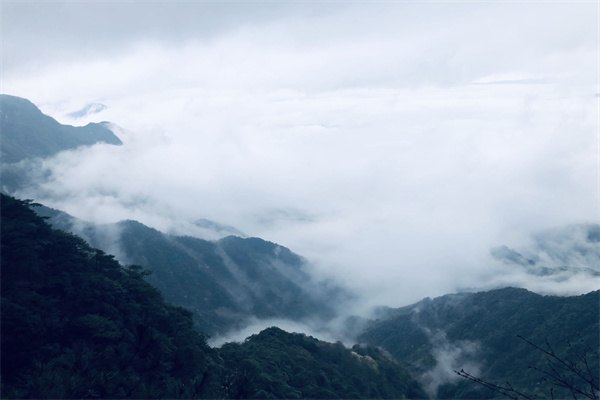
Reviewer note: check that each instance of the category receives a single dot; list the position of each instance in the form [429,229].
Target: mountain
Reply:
[27,136]
[559,252]
[209,228]
[77,324]
[87,110]
[478,332]
[27,132]
[296,366]
[225,283]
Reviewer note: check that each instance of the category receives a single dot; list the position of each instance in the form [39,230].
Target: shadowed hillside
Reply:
[76,324]
[224,282]
[478,332]
[27,132]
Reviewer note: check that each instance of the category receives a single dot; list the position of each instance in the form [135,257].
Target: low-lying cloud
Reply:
[384,152]
[449,357]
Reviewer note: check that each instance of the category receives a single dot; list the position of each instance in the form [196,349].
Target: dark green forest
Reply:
[488,325]
[223,282]
[296,366]
[77,324]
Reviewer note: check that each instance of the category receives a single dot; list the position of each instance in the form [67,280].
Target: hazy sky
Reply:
[391,143]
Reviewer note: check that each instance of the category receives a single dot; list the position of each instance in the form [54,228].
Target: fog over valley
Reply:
[420,177]
[392,145]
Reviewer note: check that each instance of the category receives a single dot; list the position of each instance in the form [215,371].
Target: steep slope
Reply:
[225,283]
[27,132]
[478,332]
[27,136]
[76,324]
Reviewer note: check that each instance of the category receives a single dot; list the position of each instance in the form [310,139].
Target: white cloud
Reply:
[449,357]
[383,122]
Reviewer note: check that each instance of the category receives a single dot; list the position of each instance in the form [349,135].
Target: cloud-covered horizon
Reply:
[392,144]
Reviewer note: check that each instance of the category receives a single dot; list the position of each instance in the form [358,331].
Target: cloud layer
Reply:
[392,144]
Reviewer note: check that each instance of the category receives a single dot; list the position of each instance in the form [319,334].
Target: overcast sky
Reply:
[391,143]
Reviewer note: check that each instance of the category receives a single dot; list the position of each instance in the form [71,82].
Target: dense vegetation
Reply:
[222,282]
[293,366]
[479,332]
[75,324]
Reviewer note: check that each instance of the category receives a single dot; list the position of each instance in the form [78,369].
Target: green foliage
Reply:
[223,283]
[276,364]
[493,320]
[77,324]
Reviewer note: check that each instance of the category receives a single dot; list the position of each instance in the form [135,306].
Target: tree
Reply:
[569,375]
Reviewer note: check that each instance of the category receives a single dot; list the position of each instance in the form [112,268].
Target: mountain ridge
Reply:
[478,332]
[77,324]
[225,282]
[27,132]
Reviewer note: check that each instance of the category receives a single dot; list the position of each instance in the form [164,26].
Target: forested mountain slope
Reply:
[224,283]
[478,332]
[77,324]
[297,366]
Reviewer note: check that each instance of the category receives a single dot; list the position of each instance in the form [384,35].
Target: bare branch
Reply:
[575,375]
[568,365]
[507,391]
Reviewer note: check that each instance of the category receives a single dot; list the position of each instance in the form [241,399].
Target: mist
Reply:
[390,144]
[316,329]
[449,357]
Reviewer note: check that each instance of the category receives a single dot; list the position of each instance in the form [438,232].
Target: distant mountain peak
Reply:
[29,133]
[218,228]
[88,109]
[559,251]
